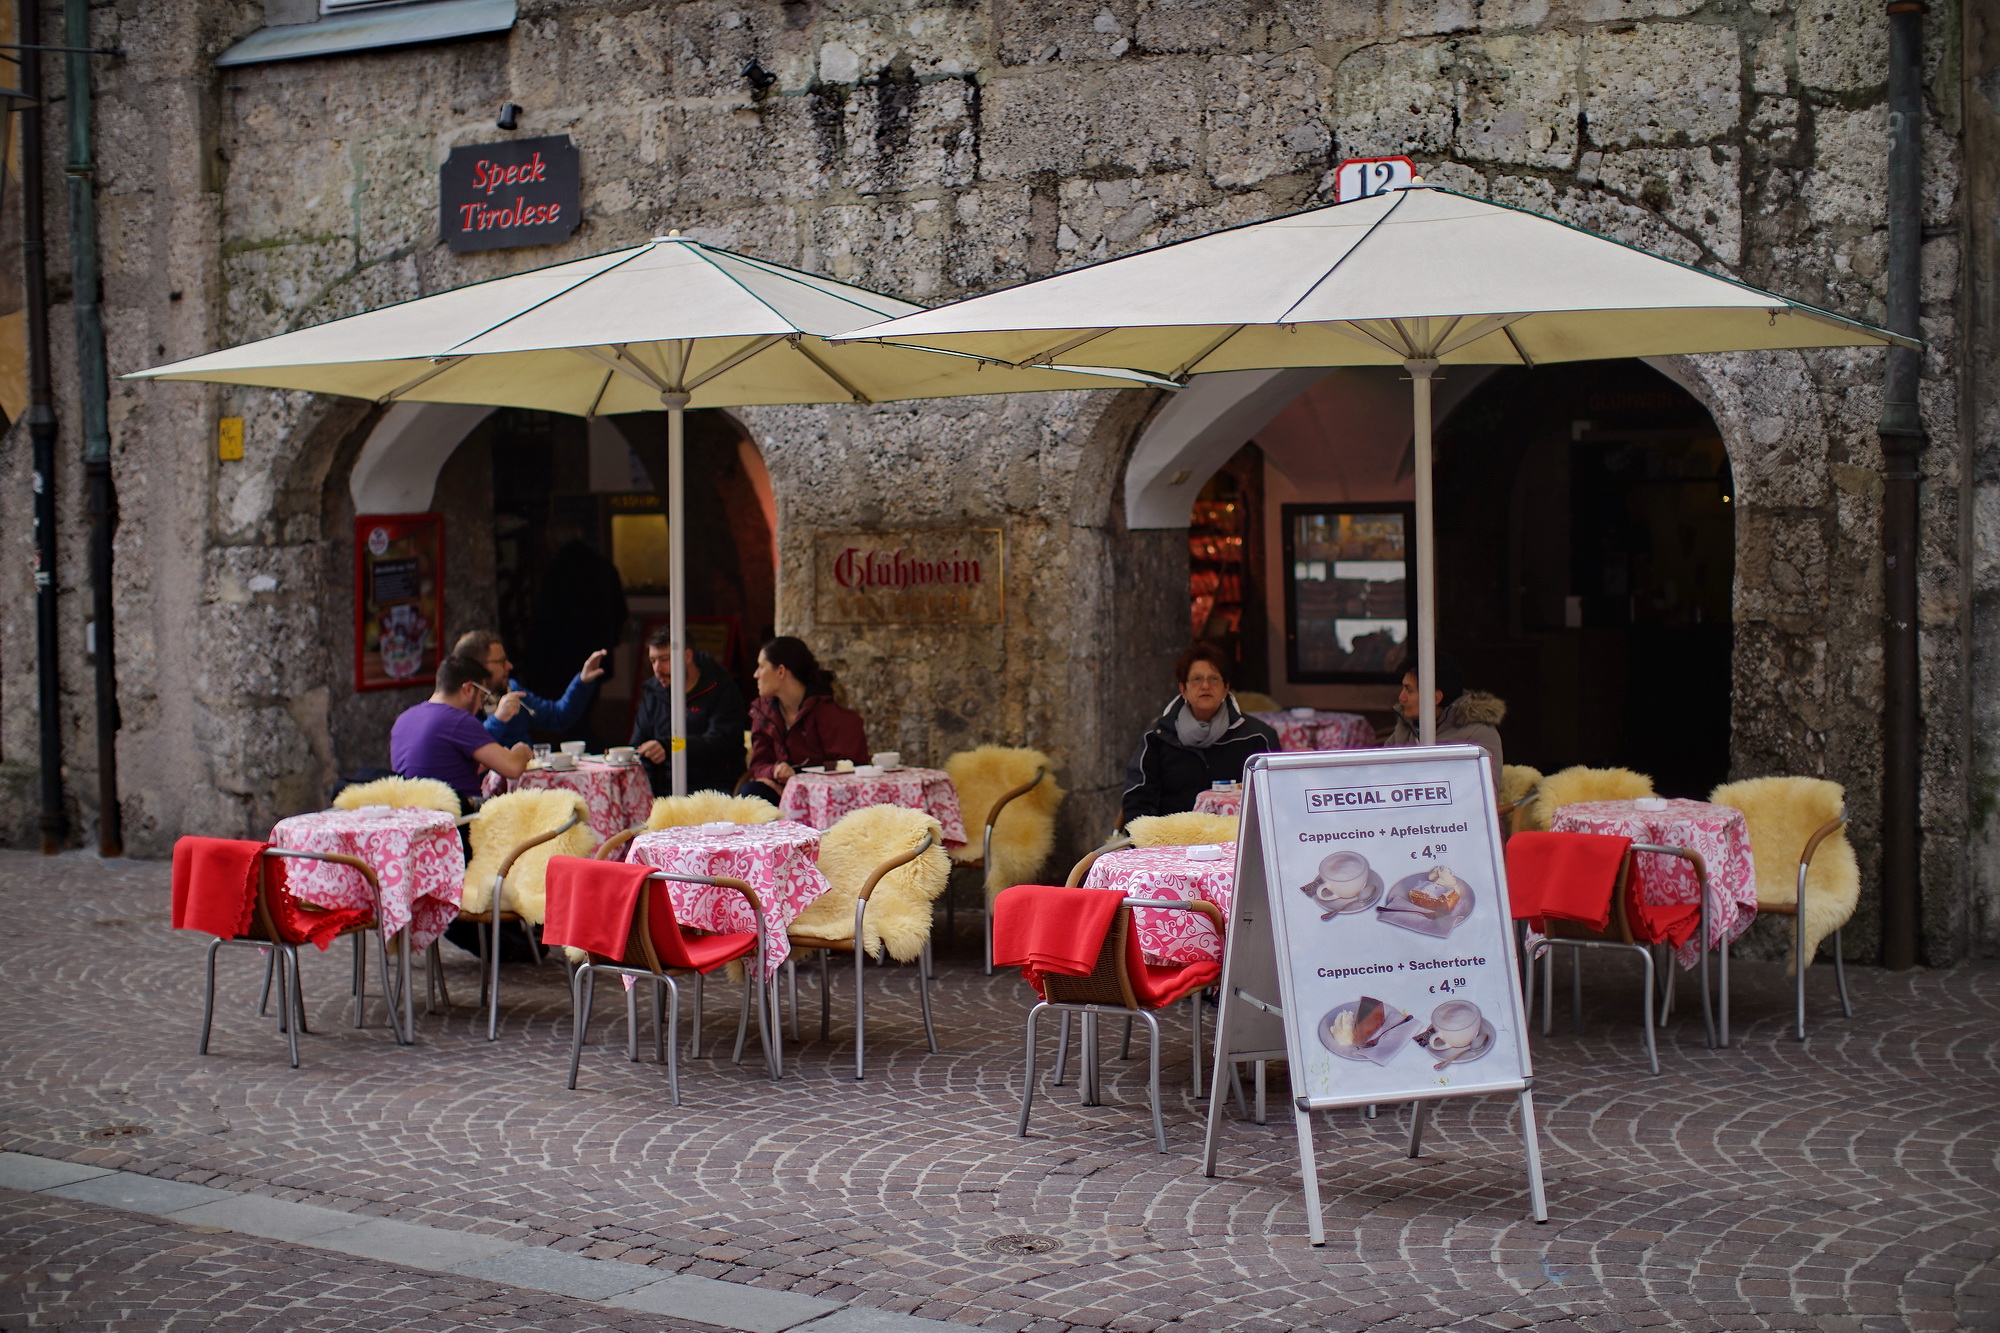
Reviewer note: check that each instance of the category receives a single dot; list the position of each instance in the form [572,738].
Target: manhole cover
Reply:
[119,1132]
[1022,1244]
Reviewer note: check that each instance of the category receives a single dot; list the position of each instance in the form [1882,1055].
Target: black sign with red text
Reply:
[523,192]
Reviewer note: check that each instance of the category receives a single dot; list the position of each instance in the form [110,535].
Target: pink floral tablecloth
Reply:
[618,794]
[1718,832]
[1218,802]
[780,860]
[1166,872]
[416,855]
[820,799]
[1322,731]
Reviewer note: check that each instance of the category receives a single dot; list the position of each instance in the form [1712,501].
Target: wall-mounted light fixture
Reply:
[510,116]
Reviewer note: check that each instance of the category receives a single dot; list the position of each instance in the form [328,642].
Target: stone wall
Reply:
[936,150]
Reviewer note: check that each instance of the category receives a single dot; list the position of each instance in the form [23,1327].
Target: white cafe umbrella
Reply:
[1419,278]
[671,323]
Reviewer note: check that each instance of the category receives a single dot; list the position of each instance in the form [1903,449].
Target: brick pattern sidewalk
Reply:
[1842,1184]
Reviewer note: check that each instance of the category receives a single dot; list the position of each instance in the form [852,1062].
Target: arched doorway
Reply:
[1586,562]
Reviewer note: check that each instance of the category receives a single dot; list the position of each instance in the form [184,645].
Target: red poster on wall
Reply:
[398,600]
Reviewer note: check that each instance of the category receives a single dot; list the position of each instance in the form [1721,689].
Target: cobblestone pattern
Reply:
[68,1266]
[1843,1184]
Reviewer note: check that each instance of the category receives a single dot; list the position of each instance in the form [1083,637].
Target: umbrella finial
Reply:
[673,235]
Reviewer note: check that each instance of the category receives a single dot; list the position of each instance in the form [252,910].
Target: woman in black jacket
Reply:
[1200,740]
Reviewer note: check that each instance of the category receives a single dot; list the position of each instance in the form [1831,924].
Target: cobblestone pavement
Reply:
[1844,1183]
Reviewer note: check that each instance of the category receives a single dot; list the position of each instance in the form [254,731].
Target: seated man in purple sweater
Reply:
[442,737]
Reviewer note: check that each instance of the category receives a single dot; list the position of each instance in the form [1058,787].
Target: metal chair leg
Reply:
[631,1020]
[361,976]
[264,1000]
[208,998]
[1153,1079]
[1062,1048]
[860,1008]
[743,1019]
[792,985]
[1196,1000]
[1028,1078]
[493,975]
[1547,955]
[694,1037]
[1799,964]
[1725,991]
[1092,1094]
[670,1046]
[582,990]
[1125,1043]
[1840,974]
[1652,1052]
[1236,1089]
[298,989]
[288,991]
[924,996]
[825,997]
[1576,992]
[1419,1113]
[1262,1068]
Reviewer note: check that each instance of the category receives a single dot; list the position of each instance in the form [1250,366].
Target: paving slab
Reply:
[24,1171]
[542,1269]
[413,1246]
[726,1304]
[139,1194]
[275,1219]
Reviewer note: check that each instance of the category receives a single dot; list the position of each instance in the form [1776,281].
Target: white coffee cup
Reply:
[1342,877]
[1454,1025]
[574,749]
[621,754]
[559,763]
[886,759]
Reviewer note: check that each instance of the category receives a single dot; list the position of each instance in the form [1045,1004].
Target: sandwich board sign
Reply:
[1370,944]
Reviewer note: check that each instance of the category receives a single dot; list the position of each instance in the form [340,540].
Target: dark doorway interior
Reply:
[1586,557]
[608,477]
[1226,567]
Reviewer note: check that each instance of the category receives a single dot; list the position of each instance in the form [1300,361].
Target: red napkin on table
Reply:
[590,904]
[215,889]
[1568,875]
[1040,928]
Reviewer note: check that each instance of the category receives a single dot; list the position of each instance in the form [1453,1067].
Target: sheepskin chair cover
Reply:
[1517,788]
[709,807]
[1573,785]
[899,911]
[504,823]
[1782,814]
[1025,833]
[423,793]
[1193,829]
[1250,701]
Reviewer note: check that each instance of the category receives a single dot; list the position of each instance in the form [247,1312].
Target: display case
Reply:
[1350,592]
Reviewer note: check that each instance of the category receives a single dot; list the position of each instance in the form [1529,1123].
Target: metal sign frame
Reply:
[1261,1015]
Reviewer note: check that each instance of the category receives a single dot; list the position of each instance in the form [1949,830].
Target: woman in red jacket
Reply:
[795,723]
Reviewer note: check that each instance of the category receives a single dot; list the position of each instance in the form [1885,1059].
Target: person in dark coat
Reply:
[795,722]
[579,609]
[716,721]
[1201,739]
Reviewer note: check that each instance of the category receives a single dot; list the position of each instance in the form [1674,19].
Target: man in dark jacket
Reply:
[716,721]
[580,607]
[1201,739]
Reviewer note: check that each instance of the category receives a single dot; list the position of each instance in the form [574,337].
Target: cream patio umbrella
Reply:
[1420,278]
[672,323]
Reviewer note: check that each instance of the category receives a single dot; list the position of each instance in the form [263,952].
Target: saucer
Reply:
[1391,1016]
[1481,1044]
[1397,910]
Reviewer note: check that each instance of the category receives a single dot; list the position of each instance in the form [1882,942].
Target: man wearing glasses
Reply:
[441,738]
[516,710]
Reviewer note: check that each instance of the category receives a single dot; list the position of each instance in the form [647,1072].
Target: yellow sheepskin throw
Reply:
[709,807]
[504,823]
[424,793]
[899,911]
[1250,701]
[1782,814]
[1517,788]
[1193,829]
[1025,833]
[1574,785]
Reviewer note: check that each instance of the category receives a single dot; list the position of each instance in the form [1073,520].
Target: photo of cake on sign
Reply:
[1366,1029]
[1432,902]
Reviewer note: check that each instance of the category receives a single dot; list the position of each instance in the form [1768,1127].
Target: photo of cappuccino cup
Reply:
[1343,877]
[1454,1025]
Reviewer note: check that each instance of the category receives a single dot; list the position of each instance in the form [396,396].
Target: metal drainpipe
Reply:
[95,393]
[1902,435]
[41,432]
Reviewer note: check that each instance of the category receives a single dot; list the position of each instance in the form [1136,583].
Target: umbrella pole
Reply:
[1420,394]
[676,404]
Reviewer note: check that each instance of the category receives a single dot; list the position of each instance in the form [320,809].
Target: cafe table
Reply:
[1319,729]
[1170,872]
[619,796]
[1220,801]
[416,855]
[1717,832]
[820,799]
[780,860]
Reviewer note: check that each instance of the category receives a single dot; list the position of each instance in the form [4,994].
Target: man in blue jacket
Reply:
[515,710]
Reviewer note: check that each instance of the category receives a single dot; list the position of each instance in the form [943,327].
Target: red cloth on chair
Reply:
[215,889]
[1668,923]
[215,885]
[1157,985]
[590,904]
[1040,928]
[1568,875]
